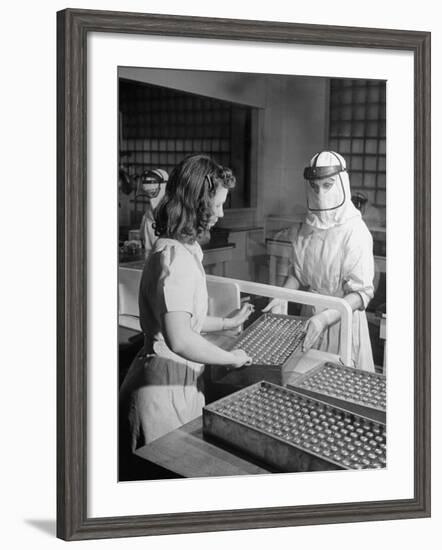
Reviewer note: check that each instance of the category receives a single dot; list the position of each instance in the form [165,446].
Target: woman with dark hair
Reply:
[162,389]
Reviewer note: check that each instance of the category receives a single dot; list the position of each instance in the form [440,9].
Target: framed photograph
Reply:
[243,274]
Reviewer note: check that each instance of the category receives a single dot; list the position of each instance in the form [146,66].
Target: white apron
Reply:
[337,261]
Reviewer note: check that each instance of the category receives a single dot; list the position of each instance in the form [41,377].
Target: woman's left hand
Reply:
[240,317]
[315,327]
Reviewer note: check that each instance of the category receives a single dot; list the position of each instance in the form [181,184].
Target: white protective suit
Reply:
[333,255]
[149,179]
[147,232]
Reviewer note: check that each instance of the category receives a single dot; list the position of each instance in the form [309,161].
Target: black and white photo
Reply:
[233,187]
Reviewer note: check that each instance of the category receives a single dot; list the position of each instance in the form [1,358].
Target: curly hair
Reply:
[186,208]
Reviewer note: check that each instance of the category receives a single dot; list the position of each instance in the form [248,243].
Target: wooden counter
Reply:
[185,452]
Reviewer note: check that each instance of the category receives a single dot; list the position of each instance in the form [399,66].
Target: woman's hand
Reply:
[276,306]
[240,317]
[316,326]
[240,358]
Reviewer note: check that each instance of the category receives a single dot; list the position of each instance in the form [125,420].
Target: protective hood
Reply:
[150,184]
[155,201]
[333,207]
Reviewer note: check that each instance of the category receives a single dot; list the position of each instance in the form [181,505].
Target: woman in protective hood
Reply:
[333,255]
[151,187]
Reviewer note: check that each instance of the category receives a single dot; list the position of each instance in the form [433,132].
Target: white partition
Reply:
[128,285]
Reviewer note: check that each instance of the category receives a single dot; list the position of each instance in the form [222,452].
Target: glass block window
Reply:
[160,126]
[357,132]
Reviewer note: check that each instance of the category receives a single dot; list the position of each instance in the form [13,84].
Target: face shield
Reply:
[325,186]
[328,191]
[149,184]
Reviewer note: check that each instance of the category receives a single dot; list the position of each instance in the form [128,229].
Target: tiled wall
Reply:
[357,131]
[159,127]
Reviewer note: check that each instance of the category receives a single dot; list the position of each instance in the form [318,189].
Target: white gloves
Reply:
[316,326]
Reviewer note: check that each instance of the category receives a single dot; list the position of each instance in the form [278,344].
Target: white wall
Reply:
[28,276]
[302,119]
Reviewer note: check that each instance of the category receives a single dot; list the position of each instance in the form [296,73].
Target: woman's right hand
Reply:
[240,358]
[276,306]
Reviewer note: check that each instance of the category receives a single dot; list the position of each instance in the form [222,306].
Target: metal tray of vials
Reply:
[356,390]
[292,432]
[271,341]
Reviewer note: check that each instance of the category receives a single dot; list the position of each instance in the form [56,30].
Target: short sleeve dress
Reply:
[162,391]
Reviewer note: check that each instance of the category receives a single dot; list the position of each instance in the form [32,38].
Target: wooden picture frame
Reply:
[73,27]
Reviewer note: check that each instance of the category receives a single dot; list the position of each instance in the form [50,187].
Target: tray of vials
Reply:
[271,341]
[359,391]
[291,432]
